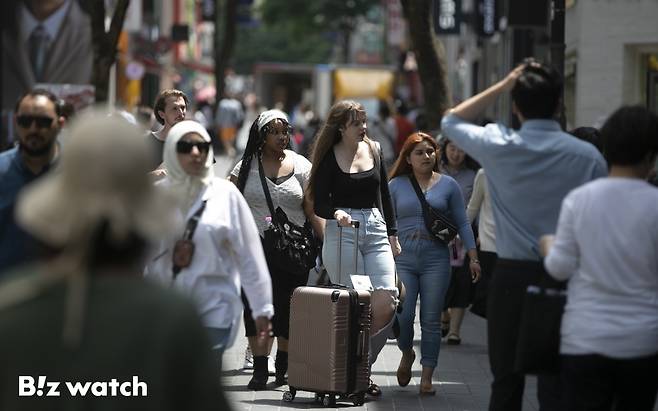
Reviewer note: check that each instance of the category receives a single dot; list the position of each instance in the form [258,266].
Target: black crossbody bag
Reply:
[439,226]
[288,247]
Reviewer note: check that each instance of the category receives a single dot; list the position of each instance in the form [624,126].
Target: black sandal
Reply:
[373,389]
[445,328]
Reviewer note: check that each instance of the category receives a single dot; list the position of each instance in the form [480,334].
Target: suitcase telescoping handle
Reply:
[355,225]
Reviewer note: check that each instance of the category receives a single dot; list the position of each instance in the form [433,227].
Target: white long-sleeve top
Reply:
[480,204]
[228,255]
[606,245]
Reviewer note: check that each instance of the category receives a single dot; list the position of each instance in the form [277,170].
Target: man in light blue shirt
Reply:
[529,172]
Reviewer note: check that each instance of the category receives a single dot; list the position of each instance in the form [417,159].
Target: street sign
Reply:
[486,18]
[134,70]
[447,16]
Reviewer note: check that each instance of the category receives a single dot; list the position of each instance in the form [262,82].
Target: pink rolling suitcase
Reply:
[329,340]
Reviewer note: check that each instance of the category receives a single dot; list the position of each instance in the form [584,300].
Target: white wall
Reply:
[607,36]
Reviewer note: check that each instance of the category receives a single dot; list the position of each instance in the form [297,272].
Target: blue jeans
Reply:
[218,340]
[374,258]
[424,268]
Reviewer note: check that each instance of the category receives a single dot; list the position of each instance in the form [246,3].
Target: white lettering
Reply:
[26,386]
[52,391]
[125,389]
[114,384]
[99,389]
[137,385]
[78,388]
[447,22]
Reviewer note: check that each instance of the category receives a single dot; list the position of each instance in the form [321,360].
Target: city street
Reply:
[393,147]
[463,379]
[463,372]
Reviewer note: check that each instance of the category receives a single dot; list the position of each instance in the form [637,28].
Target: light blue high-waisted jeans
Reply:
[374,258]
[424,268]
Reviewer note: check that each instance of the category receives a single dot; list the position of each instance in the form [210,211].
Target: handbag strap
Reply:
[426,206]
[193,222]
[190,228]
[266,189]
[423,201]
[377,160]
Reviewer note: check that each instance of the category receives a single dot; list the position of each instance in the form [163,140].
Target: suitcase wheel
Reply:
[358,399]
[329,401]
[288,396]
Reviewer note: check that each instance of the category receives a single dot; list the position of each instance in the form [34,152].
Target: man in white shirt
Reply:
[606,243]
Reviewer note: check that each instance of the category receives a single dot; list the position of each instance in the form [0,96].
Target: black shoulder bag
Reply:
[288,247]
[439,226]
[184,248]
[538,345]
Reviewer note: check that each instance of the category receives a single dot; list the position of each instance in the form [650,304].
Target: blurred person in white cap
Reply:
[216,249]
[85,314]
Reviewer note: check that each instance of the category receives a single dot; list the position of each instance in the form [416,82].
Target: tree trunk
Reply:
[225,20]
[105,44]
[430,56]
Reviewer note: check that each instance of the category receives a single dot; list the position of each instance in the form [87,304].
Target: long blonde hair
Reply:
[329,135]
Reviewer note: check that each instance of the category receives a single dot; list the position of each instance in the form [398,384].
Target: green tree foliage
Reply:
[276,44]
[314,16]
[298,31]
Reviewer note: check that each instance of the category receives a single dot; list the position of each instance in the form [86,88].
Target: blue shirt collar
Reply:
[540,125]
[20,165]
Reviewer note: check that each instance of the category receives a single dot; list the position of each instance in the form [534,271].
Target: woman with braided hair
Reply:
[286,175]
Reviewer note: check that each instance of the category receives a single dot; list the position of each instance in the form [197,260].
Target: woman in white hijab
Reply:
[217,249]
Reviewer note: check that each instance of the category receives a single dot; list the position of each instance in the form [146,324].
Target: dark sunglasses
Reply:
[185,147]
[26,121]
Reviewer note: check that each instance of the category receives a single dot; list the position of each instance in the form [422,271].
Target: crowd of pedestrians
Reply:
[147,260]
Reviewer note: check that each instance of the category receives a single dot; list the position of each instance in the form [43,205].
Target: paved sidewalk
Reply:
[463,379]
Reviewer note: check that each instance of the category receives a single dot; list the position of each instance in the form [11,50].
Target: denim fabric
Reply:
[374,258]
[424,268]
[219,338]
[16,245]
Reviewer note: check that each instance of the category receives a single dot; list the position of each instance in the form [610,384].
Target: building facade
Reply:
[611,58]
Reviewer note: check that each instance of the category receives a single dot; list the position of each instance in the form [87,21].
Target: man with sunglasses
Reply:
[38,122]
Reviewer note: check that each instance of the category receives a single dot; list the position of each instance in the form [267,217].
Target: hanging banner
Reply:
[447,16]
[486,18]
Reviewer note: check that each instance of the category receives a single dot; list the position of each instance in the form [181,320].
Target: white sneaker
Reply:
[271,369]
[248,359]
